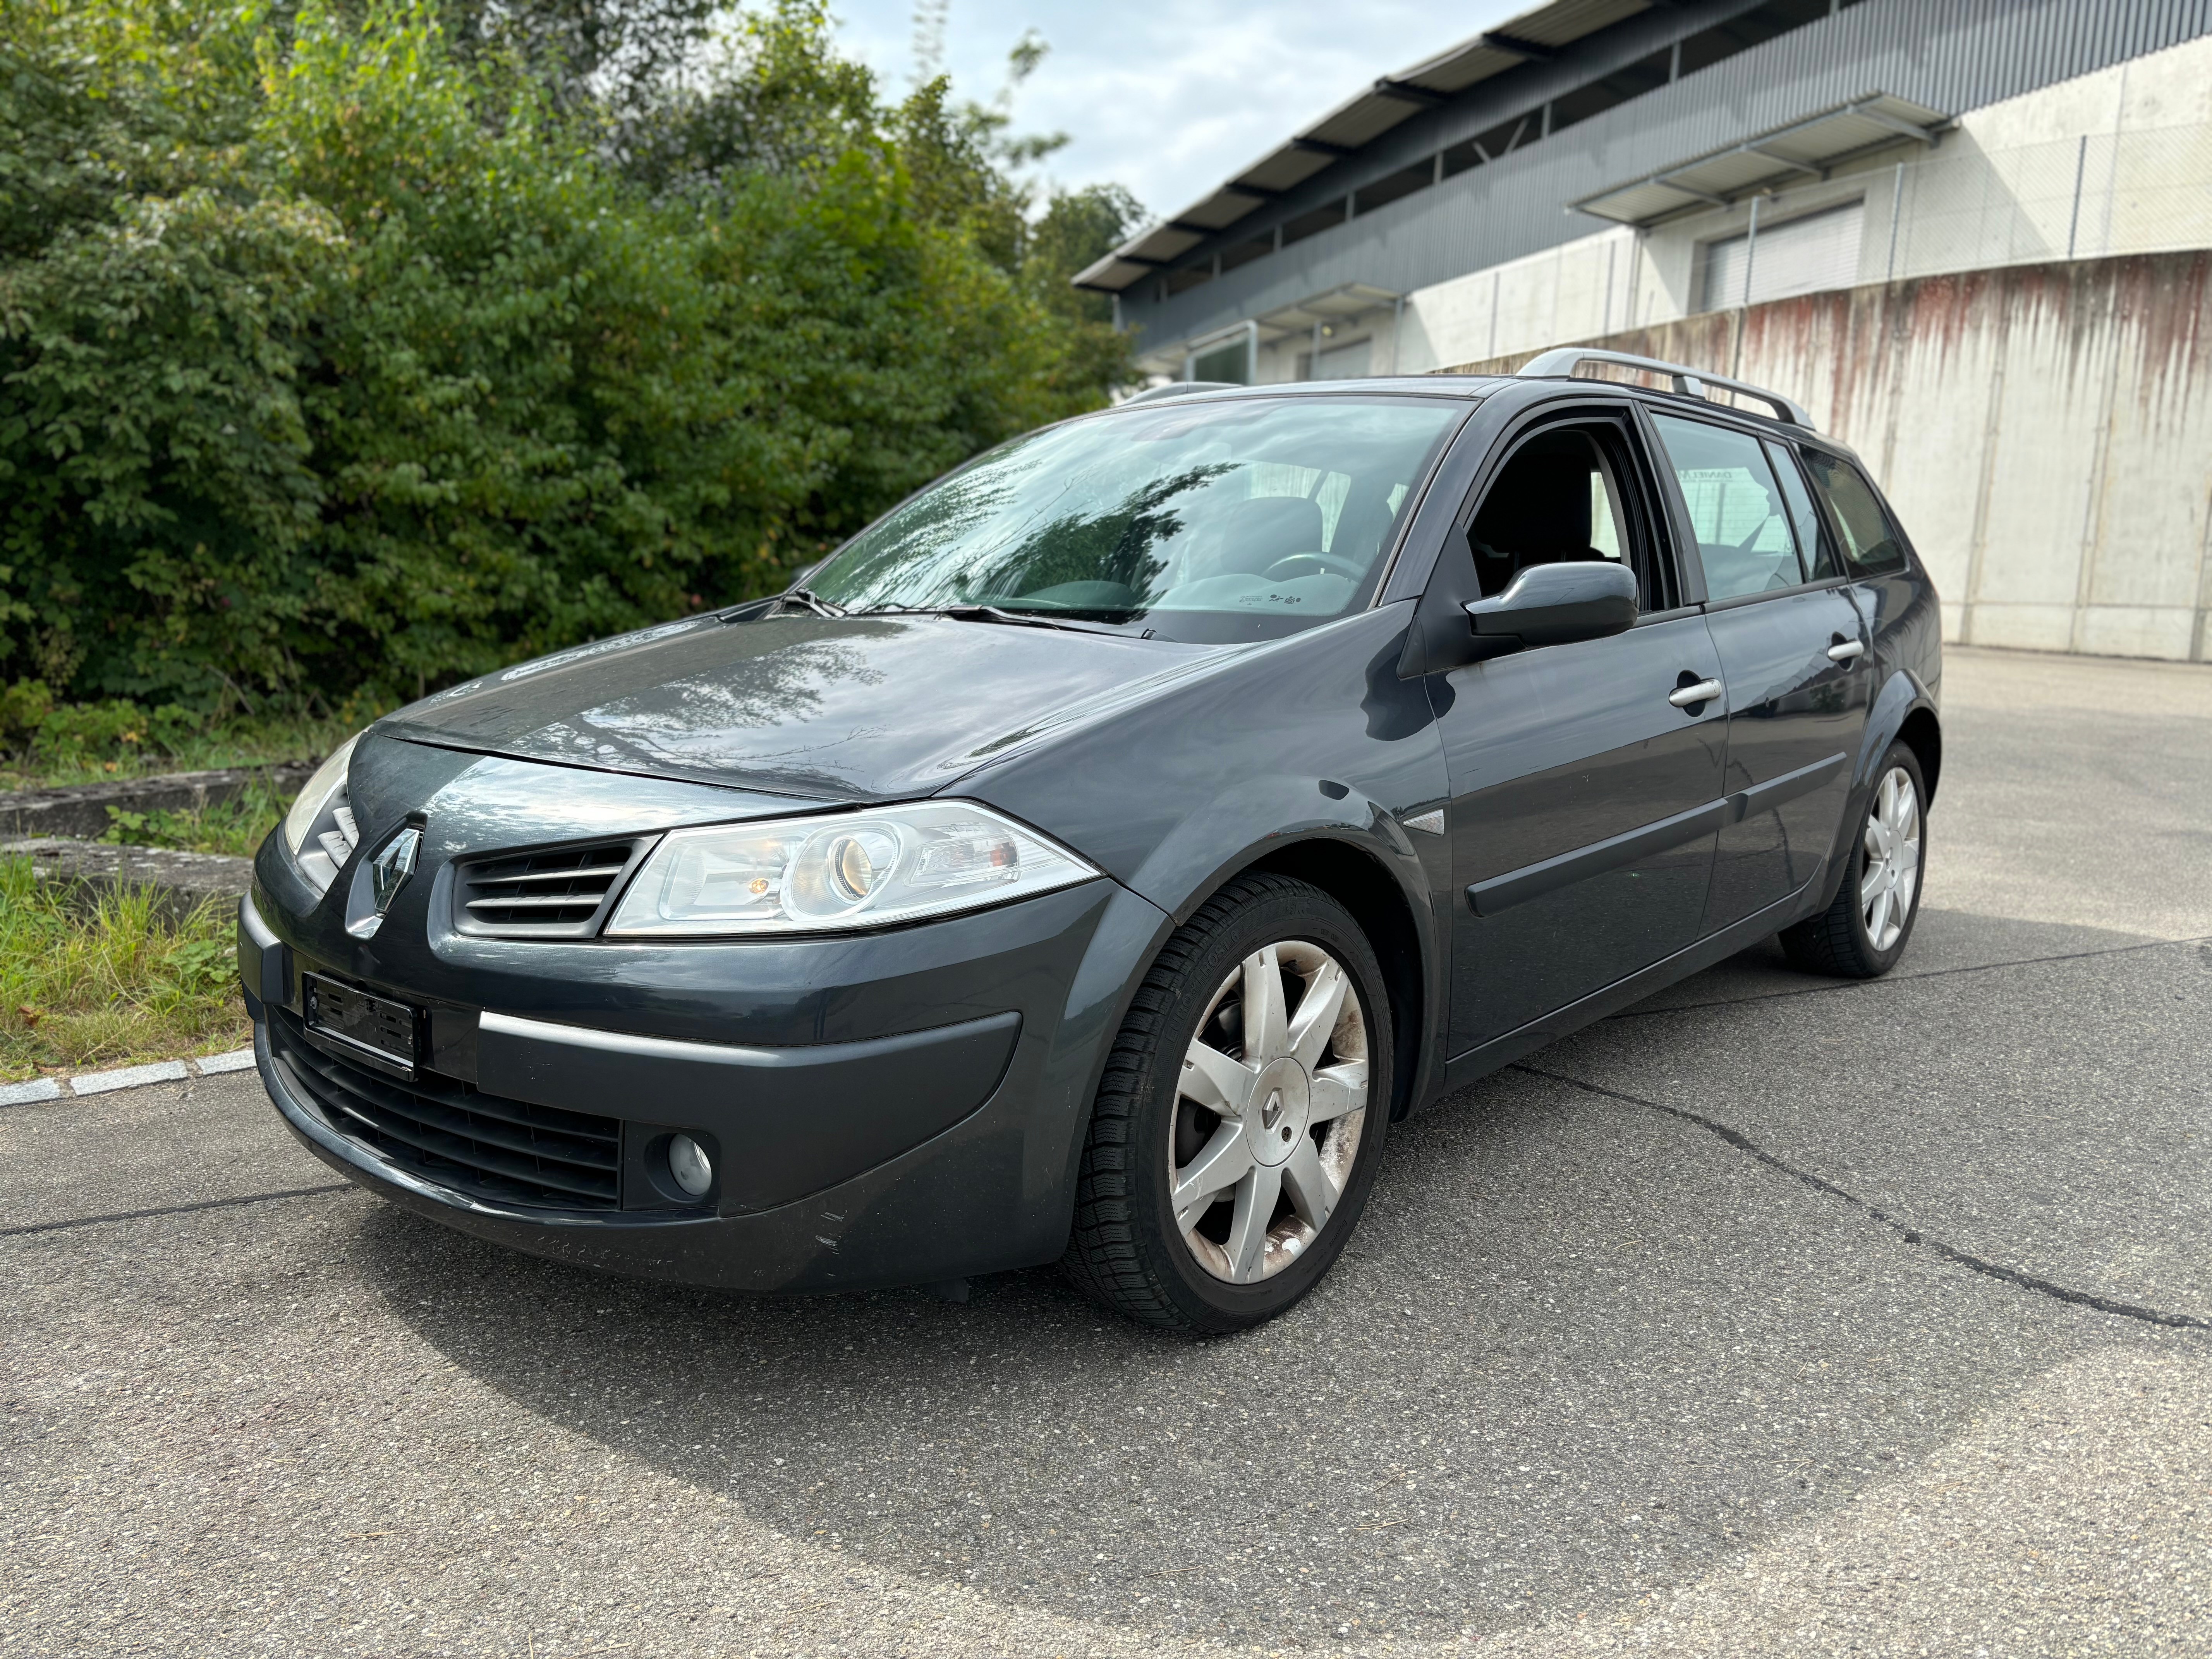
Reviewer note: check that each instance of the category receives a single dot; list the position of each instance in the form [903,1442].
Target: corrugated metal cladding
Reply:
[1951,55]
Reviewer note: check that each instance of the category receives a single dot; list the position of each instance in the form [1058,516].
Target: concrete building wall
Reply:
[2045,431]
[1949,55]
[2117,161]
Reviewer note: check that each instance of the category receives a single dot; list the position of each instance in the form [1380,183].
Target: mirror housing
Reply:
[1553,605]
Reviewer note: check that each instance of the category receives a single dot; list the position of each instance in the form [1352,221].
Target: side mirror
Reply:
[1555,605]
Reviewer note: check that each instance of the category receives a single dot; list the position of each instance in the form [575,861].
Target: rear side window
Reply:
[1737,512]
[1815,549]
[1870,545]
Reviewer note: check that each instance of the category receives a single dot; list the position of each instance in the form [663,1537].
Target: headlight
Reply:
[329,777]
[852,870]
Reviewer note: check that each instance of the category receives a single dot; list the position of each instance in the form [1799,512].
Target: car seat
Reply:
[1537,512]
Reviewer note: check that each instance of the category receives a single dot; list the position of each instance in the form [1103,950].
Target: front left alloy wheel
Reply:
[1243,1108]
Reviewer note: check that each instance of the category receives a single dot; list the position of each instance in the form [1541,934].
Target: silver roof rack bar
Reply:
[1561,363]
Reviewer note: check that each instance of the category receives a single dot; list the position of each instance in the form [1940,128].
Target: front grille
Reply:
[559,892]
[445,1131]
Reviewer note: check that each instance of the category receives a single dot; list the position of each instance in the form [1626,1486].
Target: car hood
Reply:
[862,708]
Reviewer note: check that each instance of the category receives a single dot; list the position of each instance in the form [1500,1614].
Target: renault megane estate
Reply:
[1095,856]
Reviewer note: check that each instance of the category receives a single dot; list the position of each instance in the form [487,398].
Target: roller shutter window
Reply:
[1798,256]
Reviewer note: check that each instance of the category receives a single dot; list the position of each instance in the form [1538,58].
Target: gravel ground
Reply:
[1774,1316]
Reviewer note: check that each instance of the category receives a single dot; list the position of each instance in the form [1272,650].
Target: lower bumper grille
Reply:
[508,1151]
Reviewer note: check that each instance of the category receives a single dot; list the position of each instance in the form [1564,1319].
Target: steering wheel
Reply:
[1313,564]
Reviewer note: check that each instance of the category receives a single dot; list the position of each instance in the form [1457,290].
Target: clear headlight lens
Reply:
[329,778]
[855,870]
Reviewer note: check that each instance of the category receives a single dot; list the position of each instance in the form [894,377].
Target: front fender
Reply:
[1298,753]
[1239,827]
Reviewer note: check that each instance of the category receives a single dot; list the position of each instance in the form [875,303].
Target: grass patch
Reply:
[242,744]
[236,827]
[112,984]
[47,743]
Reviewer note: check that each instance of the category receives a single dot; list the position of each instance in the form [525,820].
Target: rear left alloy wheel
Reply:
[1242,1113]
[1864,931]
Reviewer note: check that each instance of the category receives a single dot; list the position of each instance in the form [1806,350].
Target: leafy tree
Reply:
[343,354]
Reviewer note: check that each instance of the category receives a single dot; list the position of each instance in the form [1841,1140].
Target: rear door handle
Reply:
[1844,650]
[1686,696]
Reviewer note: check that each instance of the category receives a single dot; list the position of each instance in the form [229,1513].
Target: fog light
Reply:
[688,1163]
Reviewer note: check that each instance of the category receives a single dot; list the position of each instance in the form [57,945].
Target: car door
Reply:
[1585,784]
[1790,642]
[1869,548]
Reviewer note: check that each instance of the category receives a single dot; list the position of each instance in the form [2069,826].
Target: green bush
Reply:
[112,733]
[337,364]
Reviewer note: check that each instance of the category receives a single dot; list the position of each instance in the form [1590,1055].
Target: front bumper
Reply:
[938,1144]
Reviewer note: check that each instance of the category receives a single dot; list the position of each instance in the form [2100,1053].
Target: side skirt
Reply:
[1502,1051]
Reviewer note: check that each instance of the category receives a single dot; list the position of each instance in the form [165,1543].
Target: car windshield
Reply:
[1237,519]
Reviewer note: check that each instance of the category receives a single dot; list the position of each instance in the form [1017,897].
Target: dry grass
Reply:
[112,984]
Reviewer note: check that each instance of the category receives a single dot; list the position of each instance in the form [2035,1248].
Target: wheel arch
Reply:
[1922,733]
[1360,882]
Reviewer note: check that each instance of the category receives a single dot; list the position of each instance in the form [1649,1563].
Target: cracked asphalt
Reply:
[1774,1316]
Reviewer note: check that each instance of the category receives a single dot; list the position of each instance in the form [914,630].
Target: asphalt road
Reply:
[1773,1316]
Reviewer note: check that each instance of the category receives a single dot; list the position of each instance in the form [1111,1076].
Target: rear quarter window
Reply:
[1870,544]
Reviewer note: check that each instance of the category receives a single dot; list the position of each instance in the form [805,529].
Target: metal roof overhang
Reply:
[1812,147]
[1335,304]
[1533,35]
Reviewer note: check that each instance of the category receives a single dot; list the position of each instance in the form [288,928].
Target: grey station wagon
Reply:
[1095,856]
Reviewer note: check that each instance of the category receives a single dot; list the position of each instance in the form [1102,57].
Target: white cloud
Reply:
[1169,99]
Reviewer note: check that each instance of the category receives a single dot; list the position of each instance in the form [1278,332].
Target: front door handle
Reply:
[1686,696]
[1844,650]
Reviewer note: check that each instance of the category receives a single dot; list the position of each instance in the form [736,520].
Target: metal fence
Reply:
[2148,190]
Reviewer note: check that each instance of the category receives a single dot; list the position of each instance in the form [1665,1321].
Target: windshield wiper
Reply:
[995,614]
[973,612]
[812,601]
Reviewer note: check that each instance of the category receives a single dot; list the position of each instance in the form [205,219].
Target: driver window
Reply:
[1557,499]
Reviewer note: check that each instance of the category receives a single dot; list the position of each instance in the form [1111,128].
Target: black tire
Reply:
[1837,942]
[1127,1251]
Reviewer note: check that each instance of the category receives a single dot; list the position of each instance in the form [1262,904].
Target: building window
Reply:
[1618,87]
[1307,224]
[1500,140]
[1231,361]
[1748,29]
[1242,254]
[1800,256]
[1388,188]
[1181,281]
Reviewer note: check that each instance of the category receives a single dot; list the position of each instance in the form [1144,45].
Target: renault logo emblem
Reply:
[391,867]
[387,874]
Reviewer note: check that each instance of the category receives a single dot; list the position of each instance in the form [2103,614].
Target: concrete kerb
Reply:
[79,811]
[124,1077]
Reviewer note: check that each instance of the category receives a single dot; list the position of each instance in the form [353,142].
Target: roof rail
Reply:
[1560,365]
[1179,389]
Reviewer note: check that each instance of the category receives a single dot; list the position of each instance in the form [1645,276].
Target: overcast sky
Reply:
[1169,98]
